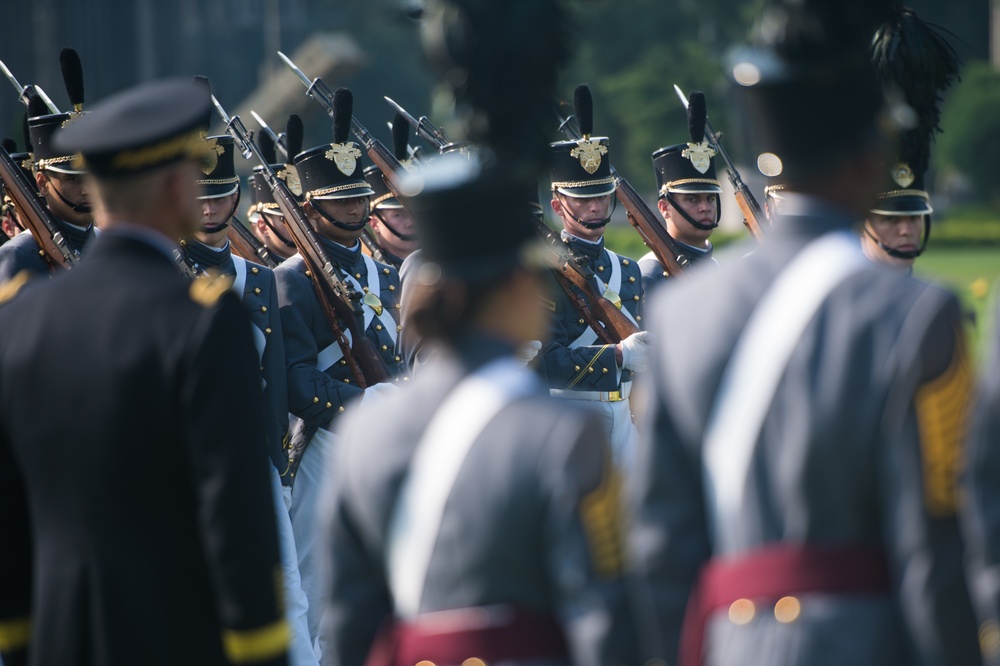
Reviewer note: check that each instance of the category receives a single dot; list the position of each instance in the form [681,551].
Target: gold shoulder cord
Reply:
[601,515]
[942,407]
[207,289]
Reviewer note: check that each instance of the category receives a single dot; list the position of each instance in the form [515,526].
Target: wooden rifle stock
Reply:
[652,231]
[35,215]
[752,215]
[611,324]
[334,297]
[245,244]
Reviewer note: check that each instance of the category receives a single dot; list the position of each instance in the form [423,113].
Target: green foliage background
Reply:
[971,140]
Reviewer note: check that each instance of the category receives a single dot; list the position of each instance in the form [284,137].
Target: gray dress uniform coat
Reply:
[21,252]
[259,296]
[983,506]
[859,446]
[515,529]
[652,270]
[318,394]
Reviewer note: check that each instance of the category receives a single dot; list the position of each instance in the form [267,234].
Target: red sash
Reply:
[520,635]
[774,572]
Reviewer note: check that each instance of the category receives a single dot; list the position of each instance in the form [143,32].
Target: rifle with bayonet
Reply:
[426,130]
[649,226]
[25,93]
[753,216]
[35,215]
[337,300]
[608,321]
[381,156]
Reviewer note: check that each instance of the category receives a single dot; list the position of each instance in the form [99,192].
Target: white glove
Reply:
[635,351]
[379,392]
[527,352]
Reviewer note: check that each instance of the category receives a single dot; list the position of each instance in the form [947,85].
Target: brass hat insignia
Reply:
[73,116]
[291,177]
[700,154]
[903,175]
[589,153]
[345,156]
[211,159]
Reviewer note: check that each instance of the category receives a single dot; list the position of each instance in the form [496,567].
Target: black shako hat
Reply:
[383,196]
[465,246]
[47,157]
[581,168]
[263,198]
[219,168]
[140,129]
[688,167]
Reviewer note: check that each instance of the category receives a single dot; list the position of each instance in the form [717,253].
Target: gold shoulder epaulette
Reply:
[10,288]
[207,289]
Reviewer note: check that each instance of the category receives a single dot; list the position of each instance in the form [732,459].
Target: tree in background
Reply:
[970,143]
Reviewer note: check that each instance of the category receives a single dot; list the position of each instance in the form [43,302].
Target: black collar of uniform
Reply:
[207,257]
[77,237]
[345,257]
[589,249]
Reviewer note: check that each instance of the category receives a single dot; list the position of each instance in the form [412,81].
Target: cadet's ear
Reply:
[664,207]
[40,180]
[310,211]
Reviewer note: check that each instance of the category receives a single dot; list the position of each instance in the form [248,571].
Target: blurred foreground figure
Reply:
[983,505]
[139,521]
[797,484]
[481,518]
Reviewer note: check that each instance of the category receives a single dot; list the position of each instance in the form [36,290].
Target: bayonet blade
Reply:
[260,121]
[684,100]
[298,72]
[222,112]
[401,111]
[45,98]
[11,78]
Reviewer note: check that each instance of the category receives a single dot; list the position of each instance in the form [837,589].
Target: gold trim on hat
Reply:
[895,194]
[190,144]
[268,206]
[219,181]
[345,156]
[337,188]
[774,188]
[700,155]
[384,197]
[589,152]
[688,181]
[583,183]
[55,160]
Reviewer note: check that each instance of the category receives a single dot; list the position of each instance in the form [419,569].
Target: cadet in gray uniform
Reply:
[480,518]
[689,196]
[796,490]
[209,250]
[576,368]
[320,382]
[61,183]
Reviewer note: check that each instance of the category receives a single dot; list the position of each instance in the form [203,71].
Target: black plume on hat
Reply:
[72,73]
[266,144]
[343,112]
[583,107]
[913,58]
[9,145]
[697,115]
[400,137]
[294,131]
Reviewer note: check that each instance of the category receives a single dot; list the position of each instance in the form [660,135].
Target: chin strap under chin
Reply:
[232,213]
[698,225]
[596,224]
[402,237]
[83,209]
[903,254]
[343,225]
[289,244]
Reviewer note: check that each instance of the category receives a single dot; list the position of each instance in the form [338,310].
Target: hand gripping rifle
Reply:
[649,226]
[35,215]
[381,156]
[753,216]
[335,298]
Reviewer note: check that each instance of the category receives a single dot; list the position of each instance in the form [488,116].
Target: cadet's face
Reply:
[589,209]
[900,232]
[702,208]
[273,235]
[400,220]
[214,213]
[73,188]
[346,211]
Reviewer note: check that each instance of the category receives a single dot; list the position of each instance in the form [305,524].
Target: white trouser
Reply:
[617,418]
[300,651]
[306,493]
